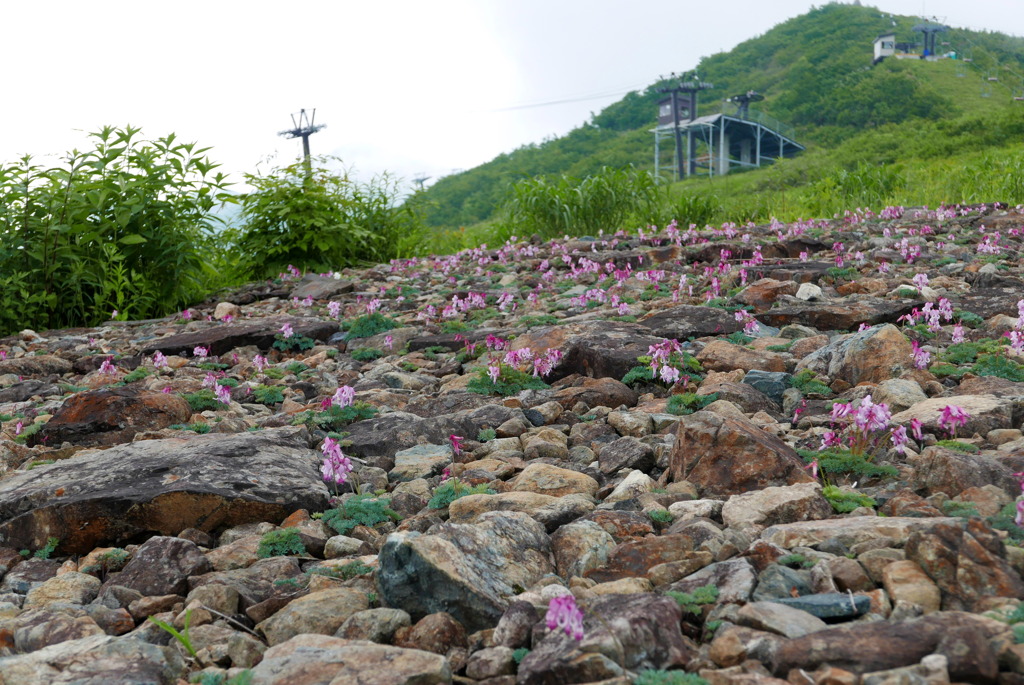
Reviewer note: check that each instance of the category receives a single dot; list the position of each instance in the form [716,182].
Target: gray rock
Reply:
[421,461]
[831,607]
[93,660]
[784,620]
[771,383]
[164,486]
[375,625]
[162,566]
[470,571]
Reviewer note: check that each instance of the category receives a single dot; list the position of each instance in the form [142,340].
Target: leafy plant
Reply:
[795,561]
[806,381]
[360,510]
[335,417]
[660,516]
[452,489]
[102,229]
[1004,520]
[344,572]
[241,678]
[691,602]
[136,375]
[318,219]
[366,354]
[959,509]
[201,400]
[659,677]
[27,432]
[689,402]
[48,549]
[486,435]
[293,343]
[294,367]
[183,636]
[519,654]
[510,382]
[845,501]
[268,394]
[280,542]
[533,320]
[836,461]
[201,428]
[959,446]
[739,338]
[369,325]
[1000,366]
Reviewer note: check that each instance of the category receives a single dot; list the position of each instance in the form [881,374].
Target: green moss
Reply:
[360,510]
[806,381]
[136,375]
[842,462]
[366,354]
[369,325]
[999,366]
[268,394]
[201,400]
[692,601]
[958,446]
[510,382]
[844,501]
[661,677]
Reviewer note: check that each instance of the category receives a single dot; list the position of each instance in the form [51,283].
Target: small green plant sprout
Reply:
[661,516]
[653,677]
[520,654]
[795,561]
[839,461]
[958,446]
[136,375]
[959,509]
[689,402]
[501,378]
[346,571]
[486,435]
[452,489]
[280,542]
[241,678]
[692,602]
[202,400]
[183,636]
[48,549]
[360,510]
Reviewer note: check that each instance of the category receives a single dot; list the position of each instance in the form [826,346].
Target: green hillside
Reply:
[815,72]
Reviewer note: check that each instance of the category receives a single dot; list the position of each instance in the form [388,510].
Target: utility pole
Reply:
[420,180]
[303,127]
[690,88]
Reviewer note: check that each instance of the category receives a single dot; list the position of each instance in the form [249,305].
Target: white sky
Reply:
[409,86]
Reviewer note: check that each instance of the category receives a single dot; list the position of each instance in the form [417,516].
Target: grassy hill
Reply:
[815,71]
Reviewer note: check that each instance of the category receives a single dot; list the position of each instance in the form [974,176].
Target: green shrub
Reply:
[366,354]
[102,229]
[295,367]
[844,501]
[689,402]
[510,382]
[344,572]
[486,435]
[27,432]
[280,542]
[553,207]
[1004,520]
[360,510]
[959,509]
[780,348]
[691,602]
[969,319]
[520,654]
[739,338]
[452,489]
[320,219]
[795,561]
[533,320]
[335,418]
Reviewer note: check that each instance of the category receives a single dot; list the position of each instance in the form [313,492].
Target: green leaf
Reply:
[133,239]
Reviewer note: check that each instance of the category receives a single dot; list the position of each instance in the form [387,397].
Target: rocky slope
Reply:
[174,469]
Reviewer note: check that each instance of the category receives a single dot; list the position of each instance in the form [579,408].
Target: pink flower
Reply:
[336,466]
[159,360]
[166,390]
[899,437]
[187,314]
[951,417]
[334,308]
[958,333]
[563,614]
[223,394]
[669,374]
[1019,518]
[200,351]
[920,280]
[344,396]
[260,362]
[872,417]
[18,428]
[494,371]
[456,442]
[286,331]
[839,410]
[915,429]
[389,342]
[108,369]
[372,306]
[813,466]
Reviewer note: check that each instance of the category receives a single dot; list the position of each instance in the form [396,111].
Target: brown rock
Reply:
[595,392]
[685,321]
[841,315]
[438,633]
[746,397]
[870,356]
[112,416]
[34,366]
[599,349]
[162,566]
[721,355]
[634,559]
[547,479]
[950,471]
[728,455]
[222,338]
[967,563]
[906,581]
[762,293]
[986,413]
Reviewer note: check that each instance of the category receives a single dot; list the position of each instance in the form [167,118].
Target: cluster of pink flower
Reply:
[750,324]
[661,355]
[563,614]
[861,434]
[336,466]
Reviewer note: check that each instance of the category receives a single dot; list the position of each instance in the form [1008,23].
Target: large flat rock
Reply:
[207,482]
[222,338]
